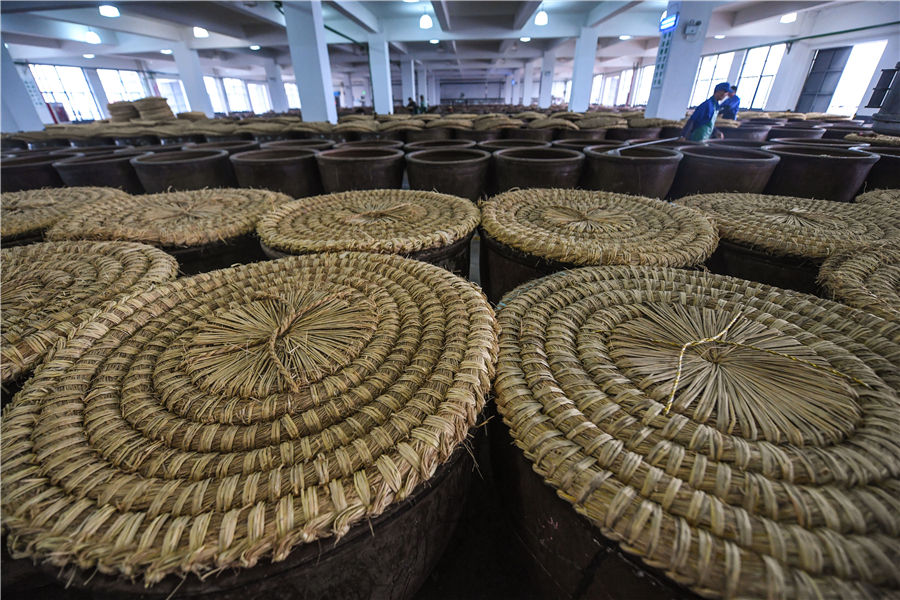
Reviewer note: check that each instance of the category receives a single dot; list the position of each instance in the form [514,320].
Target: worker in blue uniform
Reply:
[702,122]
[730,104]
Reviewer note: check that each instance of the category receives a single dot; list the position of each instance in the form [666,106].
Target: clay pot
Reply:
[643,171]
[29,173]
[458,171]
[306,144]
[11,144]
[155,148]
[49,143]
[184,170]
[387,144]
[738,143]
[231,137]
[92,141]
[761,121]
[670,131]
[823,173]
[178,140]
[537,168]
[495,145]
[708,169]
[581,144]
[438,145]
[749,131]
[101,149]
[110,169]
[484,135]
[837,132]
[524,133]
[435,133]
[348,169]
[137,140]
[292,171]
[232,147]
[815,142]
[885,174]
[585,134]
[795,132]
[667,144]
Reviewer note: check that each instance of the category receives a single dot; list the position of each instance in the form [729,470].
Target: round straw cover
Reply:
[32,211]
[868,279]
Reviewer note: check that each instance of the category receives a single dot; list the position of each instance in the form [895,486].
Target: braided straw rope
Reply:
[49,289]
[875,139]
[776,473]
[581,227]
[552,123]
[384,221]
[230,416]
[32,211]
[868,279]
[173,219]
[784,225]
[889,197]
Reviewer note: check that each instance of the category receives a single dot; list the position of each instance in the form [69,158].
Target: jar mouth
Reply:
[640,153]
[732,154]
[444,156]
[360,154]
[820,151]
[179,156]
[276,155]
[539,154]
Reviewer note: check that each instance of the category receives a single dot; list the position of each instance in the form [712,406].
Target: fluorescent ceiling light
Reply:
[91,37]
[254,47]
[425,22]
[624,37]
[88,55]
[788,18]
[410,1]
[541,19]
[108,10]
[434,41]
[166,51]
[199,32]
[719,37]
[525,39]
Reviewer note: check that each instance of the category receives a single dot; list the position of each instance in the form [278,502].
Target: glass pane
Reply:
[774,60]
[853,85]
[237,94]
[293,95]
[753,63]
[259,97]
[762,92]
[723,66]
[215,97]
[173,92]
[747,89]
[624,86]
[642,91]
[707,66]
[134,85]
[596,88]
[610,85]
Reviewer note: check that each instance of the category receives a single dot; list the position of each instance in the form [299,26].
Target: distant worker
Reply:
[702,122]
[411,105]
[422,106]
[731,104]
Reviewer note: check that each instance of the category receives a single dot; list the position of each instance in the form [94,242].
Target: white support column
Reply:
[735,71]
[435,91]
[422,84]
[380,67]
[22,110]
[507,89]
[97,90]
[188,63]
[547,66]
[583,69]
[408,80]
[790,78]
[528,84]
[677,60]
[888,61]
[276,87]
[309,56]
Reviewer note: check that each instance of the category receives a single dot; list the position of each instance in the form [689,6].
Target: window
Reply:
[558,91]
[122,86]
[854,82]
[293,95]
[713,71]
[642,89]
[567,95]
[69,87]
[596,88]
[259,98]
[757,74]
[625,78]
[215,96]
[236,92]
[610,86]
[173,92]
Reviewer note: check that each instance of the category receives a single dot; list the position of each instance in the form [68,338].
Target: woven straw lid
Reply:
[875,139]
[48,289]
[384,221]
[774,475]
[173,219]
[784,225]
[886,197]
[227,417]
[582,227]
[868,279]
[32,211]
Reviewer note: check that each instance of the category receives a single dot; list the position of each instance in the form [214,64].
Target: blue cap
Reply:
[723,87]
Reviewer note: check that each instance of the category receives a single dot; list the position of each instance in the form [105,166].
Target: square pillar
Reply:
[408,80]
[97,90]
[309,56]
[188,63]
[583,69]
[422,85]
[276,87]
[549,62]
[380,68]
[528,84]
[23,109]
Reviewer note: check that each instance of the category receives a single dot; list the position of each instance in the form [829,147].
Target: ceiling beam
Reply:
[766,10]
[359,14]
[262,11]
[399,47]
[607,10]
[524,14]
[442,14]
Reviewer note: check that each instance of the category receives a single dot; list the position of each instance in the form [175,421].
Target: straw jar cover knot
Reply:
[31,211]
[230,416]
[590,228]
[739,437]
[384,221]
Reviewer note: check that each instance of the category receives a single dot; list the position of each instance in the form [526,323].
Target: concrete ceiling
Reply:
[477,39]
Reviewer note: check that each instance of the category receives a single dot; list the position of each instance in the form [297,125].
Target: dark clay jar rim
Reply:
[668,154]
[307,144]
[726,153]
[785,141]
[515,143]
[584,143]
[439,145]
[181,156]
[271,155]
[351,154]
[32,161]
[117,156]
[151,148]
[218,145]
[562,154]
[817,152]
[380,144]
[893,151]
[746,125]
[474,156]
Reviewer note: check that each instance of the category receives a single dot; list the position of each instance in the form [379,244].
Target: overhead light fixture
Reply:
[199,32]
[425,22]
[91,37]
[719,37]
[624,37]
[254,47]
[541,18]
[108,10]
[525,39]
[434,41]
[410,1]
[166,51]
[88,55]
[788,18]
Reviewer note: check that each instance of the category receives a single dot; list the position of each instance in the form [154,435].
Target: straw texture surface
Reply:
[32,211]
[888,197]
[868,279]
[48,289]
[225,418]
[384,221]
[784,225]
[583,227]
[774,475]
[190,218]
